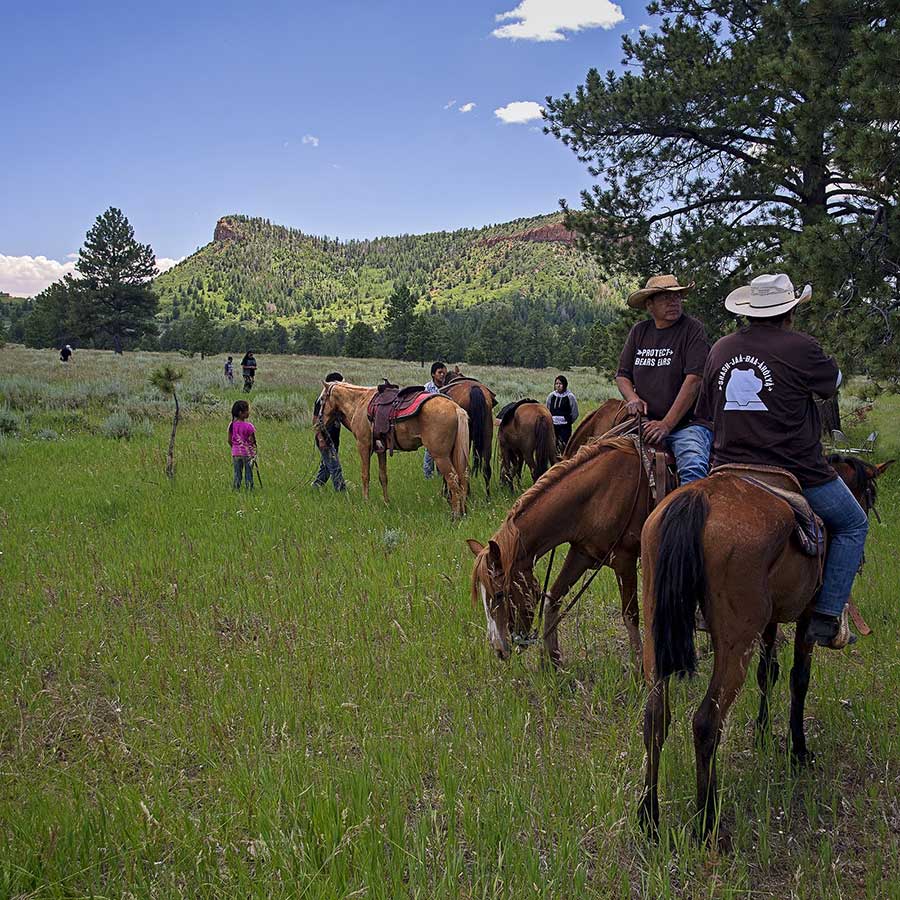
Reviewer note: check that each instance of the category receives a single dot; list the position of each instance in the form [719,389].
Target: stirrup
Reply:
[844,636]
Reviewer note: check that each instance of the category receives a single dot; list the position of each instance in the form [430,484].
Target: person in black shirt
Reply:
[564,408]
[248,369]
[328,444]
[659,374]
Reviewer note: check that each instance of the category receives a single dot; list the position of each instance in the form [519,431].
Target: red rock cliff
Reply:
[226,230]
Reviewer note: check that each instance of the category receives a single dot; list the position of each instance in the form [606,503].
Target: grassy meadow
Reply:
[288,693]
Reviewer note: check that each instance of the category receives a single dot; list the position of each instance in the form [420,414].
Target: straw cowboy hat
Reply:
[658,284]
[765,296]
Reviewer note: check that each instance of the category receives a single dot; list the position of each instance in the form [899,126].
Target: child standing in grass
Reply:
[242,438]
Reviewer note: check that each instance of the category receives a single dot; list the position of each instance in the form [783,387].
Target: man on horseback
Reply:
[758,390]
[438,378]
[659,374]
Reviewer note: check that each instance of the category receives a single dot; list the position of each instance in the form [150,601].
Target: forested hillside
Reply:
[254,270]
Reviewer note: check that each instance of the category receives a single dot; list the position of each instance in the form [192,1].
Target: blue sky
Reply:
[333,118]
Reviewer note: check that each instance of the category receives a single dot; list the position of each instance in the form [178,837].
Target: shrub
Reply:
[120,426]
[10,423]
[47,434]
[273,406]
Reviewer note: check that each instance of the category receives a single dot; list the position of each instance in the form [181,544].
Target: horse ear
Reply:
[474,546]
[881,468]
[495,559]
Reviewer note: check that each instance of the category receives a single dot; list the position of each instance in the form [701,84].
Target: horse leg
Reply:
[799,686]
[457,501]
[365,461]
[766,676]
[382,475]
[729,671]
[657,718]
[575,565]
[625,567]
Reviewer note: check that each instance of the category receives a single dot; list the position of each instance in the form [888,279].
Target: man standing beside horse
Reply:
[659,374]
[759,390]
[438,379]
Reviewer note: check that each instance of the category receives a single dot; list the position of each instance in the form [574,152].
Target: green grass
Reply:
[289,694]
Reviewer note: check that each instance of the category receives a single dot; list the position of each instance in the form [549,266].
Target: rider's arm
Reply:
[690,387]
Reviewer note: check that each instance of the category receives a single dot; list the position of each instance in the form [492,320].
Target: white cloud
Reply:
[519,112]
[27,276]
[449,104]
[164,263]
[467,107]
[546,20]
[645,27]
[310,139]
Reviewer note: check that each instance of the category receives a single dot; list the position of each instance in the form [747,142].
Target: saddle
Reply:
[506,413]
[454,379]
[392,404]
[809,529]
[659,465]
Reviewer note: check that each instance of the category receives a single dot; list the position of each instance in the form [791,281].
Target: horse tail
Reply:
[478,412]
[459,455]
[544,446]
[679,581]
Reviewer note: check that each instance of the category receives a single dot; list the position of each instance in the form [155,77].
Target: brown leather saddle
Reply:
[390,404]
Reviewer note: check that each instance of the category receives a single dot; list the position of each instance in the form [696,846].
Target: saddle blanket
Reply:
[405,406]
[507,412]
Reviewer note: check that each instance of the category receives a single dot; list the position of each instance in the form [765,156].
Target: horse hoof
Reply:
[801,761]
[720,840]
[649,821]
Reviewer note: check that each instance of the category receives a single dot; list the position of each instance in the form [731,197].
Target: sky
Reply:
[354,120]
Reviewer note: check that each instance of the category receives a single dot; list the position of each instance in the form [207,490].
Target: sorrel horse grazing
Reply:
[477,400]
[597,502]
[595,425]
[725,544]
[526,438]
[440,425]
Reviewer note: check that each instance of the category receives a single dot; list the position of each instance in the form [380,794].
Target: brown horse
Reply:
[595,425]
[526,438]
[725,545]
[477,400]
[440,426]
[597,502]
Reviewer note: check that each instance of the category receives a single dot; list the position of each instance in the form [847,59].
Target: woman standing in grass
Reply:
[242,439]
[564,408]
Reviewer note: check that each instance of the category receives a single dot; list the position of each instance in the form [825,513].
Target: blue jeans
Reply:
[428,465]
[243,465]
[691,446]
[847,526]
[330,467]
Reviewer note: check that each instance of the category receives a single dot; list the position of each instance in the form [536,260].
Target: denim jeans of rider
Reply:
[691,447]
[847,526]
[428,465]
[330,467]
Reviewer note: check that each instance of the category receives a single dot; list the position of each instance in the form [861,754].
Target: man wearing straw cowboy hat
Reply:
[659,374]
[758,390]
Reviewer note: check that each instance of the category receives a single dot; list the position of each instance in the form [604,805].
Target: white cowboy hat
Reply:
[658,284]
[765,296]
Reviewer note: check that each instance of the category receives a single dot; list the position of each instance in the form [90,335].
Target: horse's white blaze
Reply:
[492,630]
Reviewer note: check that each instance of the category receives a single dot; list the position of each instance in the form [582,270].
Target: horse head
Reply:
[509,594]
[861,477]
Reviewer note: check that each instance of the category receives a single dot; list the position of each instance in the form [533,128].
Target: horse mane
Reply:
[508,537]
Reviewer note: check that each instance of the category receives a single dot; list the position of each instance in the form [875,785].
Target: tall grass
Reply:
[287,693]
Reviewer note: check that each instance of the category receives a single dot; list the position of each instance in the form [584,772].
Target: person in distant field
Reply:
[242,439]
[659,374]
[564,408]
[248,368]
[328,445]
[229,370]
[438,379]
[65,353]
[759,390]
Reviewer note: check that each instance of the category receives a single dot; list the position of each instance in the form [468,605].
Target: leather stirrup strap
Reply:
[858,620]
[662,476]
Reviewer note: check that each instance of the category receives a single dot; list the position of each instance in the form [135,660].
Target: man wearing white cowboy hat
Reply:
[758,390]
[659,374]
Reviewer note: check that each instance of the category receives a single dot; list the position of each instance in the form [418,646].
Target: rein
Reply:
[624,429]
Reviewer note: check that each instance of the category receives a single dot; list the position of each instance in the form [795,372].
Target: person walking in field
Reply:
[328,444]
[229,370]
[65,353]
[659,374]
[248,369]
[242,439]
[564,408]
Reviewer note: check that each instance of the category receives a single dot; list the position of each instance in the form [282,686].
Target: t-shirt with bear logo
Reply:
[759,388]
[656,361]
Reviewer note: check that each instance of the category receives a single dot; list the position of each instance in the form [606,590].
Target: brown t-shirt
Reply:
[656,361]
[758,390]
